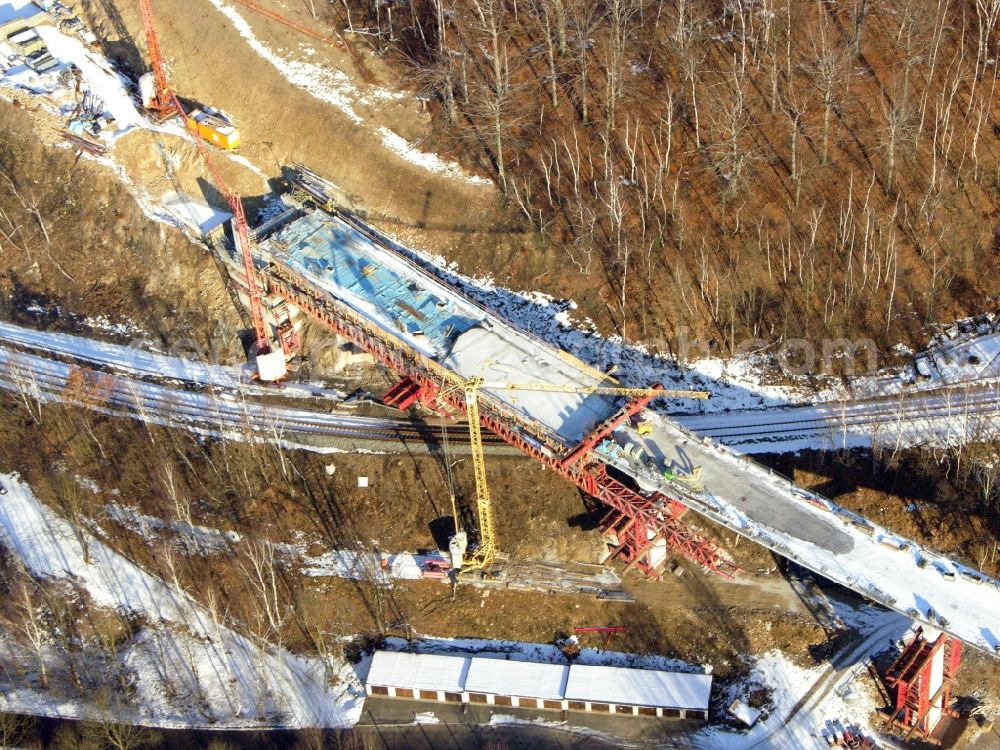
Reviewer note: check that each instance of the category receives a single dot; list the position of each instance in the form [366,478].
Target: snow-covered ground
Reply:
[198,215]
[361,565]
[189,669]
[325,83]
[191,538]
[97,78]
[100,80]
[139,361]
[805,702]
[336,87]
[358,565]
[432,162]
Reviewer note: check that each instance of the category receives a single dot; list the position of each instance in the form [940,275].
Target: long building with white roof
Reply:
[558,687]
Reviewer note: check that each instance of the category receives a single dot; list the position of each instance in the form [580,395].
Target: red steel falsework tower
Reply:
[922,678]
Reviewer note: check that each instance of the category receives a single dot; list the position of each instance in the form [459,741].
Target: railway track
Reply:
[982,402]
[207,411]
[967,413]
[215,399]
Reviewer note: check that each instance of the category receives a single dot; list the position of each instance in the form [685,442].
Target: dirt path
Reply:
[840,665]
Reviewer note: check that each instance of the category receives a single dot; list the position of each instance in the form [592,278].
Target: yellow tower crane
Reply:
[484,555]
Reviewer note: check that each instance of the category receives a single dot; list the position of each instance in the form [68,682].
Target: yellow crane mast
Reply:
[485,552]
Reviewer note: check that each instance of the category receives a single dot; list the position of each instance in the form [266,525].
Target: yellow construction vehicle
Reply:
[485,552]
[214,128]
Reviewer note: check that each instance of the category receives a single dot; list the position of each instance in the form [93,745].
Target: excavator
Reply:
[158,98]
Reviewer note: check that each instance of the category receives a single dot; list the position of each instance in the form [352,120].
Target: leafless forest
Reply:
[753,168]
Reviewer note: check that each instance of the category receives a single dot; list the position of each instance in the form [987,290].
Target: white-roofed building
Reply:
[499,682]
[535,685]
[638,691]
[429,677]
[16,15]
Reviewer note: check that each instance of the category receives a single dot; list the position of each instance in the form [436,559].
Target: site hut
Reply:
[427,677]
[638,692]
[499,682]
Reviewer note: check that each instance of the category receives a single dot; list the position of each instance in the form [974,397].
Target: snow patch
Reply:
[189,668]
[431,162]
[196,214]
[190,537]
[323,82]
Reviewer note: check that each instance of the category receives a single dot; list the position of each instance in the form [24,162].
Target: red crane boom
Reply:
[241,232]
[162,100]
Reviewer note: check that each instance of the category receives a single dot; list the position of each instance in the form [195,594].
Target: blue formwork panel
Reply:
[438,321]
[343,260]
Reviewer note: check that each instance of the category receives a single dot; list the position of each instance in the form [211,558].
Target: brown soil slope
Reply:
[280,122]
[74,238]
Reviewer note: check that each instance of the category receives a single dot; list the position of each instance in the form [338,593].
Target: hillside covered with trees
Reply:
[771,169]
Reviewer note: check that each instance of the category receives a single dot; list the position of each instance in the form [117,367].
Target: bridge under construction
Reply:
[325,262]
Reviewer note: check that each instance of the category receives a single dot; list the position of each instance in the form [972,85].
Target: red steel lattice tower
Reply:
[163,100]
[922,679]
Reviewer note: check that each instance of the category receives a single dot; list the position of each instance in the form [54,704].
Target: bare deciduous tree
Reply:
[13,729]
[729,120]
[115,736]
[898,131]
[31,625]
[495,100]
[829,67]
[259,565]
[692,25]
[620,15]
[585,17]
[545,14]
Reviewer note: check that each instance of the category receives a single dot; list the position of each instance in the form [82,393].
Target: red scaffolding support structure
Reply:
[608,631]
[647,520]
[922,679]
